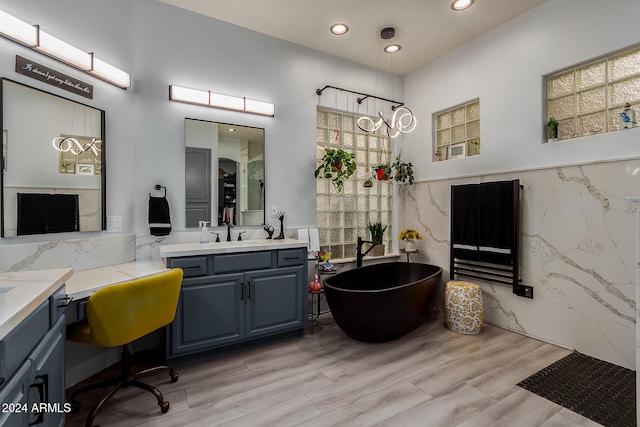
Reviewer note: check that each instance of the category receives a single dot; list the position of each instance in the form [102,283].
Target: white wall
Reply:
[173,46]
[577,229]
[505,69]
[97,26]
[162,45]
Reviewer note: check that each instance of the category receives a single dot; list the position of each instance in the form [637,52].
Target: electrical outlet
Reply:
[114,224]
[274,211]
[524,291]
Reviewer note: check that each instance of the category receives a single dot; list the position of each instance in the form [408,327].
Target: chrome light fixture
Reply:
[33,37]
[403,120]
[207,98]
[458,5]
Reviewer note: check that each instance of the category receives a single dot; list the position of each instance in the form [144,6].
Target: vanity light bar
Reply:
[18,30]
[62,51]
[216,100]
[35,38]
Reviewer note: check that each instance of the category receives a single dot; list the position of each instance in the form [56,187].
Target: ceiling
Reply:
[425,29]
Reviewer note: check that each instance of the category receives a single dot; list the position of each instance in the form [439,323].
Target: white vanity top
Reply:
[84,283]
[189,249]
[23,291]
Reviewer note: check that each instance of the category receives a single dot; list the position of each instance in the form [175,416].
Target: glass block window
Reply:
[457,131]
[344,216]
[588,99]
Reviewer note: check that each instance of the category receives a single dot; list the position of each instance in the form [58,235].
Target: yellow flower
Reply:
[326,256]
[409,234]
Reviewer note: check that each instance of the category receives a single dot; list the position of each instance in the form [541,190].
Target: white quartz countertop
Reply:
[23,291]
[84,283]
[190,249]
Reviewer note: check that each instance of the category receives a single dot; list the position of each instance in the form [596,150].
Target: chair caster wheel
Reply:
[164,407]
[174,377]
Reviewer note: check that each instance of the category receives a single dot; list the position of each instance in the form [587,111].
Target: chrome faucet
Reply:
[359,253]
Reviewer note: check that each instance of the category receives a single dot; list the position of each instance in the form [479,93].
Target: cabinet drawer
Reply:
[191,266]
[57,304]
[241,262]
[16,346]
[290,257]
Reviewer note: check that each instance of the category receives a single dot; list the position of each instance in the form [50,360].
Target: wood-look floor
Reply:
[431,377]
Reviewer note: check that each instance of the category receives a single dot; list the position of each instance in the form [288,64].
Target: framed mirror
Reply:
[53,163]
[224,174]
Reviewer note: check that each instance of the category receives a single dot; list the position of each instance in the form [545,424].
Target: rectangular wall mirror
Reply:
[53,171]
[224,174]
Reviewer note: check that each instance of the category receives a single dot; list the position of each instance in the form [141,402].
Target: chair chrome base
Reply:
[126,379]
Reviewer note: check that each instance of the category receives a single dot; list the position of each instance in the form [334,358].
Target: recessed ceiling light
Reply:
[461,4]
[392,48]
[231,130]
[339,29]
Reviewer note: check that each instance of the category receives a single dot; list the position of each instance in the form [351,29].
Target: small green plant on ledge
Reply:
[337,165]
[552,128]
[377,231]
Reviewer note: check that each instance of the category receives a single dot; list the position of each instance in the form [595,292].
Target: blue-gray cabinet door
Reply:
[275,301]
[13,395]
[47,383]
[209,314]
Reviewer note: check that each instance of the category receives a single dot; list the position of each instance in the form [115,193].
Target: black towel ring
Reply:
[159,187]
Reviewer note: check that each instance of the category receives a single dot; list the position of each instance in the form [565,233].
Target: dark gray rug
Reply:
[598,390]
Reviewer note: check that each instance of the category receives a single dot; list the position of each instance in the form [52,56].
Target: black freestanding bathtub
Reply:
[382,302]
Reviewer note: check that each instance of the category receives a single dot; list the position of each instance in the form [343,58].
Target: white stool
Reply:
[463,307]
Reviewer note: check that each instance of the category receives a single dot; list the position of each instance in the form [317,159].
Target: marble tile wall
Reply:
[80,254]
[578,251]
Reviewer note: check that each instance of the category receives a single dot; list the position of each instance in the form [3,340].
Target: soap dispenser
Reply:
[204,232]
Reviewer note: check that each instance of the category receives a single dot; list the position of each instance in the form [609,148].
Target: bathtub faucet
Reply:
[359,253]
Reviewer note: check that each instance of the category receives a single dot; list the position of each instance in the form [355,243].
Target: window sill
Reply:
[366,258]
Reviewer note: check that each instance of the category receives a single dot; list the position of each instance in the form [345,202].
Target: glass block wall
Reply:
[344,216]
[587,100]
[458,131]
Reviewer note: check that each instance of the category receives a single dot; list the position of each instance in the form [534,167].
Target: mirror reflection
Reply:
[52,163]
[224,174]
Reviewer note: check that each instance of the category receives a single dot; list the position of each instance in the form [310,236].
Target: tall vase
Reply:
[409,246]
[281,235]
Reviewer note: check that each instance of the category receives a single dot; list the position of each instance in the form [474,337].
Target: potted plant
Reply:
[377,232]
[552,129]
[409,236]
[403,171]
[337,165]
[383,171]
[368,182]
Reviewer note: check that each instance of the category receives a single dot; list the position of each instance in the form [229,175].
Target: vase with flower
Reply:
[326,265]
[409,236]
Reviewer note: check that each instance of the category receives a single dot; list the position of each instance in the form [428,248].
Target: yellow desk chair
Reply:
[120,314]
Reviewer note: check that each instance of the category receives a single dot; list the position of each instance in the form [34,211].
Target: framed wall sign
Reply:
[457,150]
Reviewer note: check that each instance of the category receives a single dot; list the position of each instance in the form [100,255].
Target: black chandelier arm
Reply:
[364,96]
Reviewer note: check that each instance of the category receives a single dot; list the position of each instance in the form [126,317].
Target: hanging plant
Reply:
[368,183]
[403,171]
[382,172]
[337,165]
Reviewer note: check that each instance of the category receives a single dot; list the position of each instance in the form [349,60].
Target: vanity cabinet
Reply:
[32,368]
[230,301]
